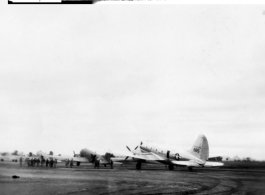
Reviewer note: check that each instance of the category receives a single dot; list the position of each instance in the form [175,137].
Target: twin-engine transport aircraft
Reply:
[45,156]
[87,156]
[197,156]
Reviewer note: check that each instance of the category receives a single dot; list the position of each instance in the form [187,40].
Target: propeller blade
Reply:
[126,157]
[136,147]
[128,148]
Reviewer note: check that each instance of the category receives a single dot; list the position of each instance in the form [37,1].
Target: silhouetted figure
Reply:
[20,161]
[71,163]
[32,162]
[28,161]
[55,163]
[51,163]
[38,162]
[42,161]
[47,162]
[67,162]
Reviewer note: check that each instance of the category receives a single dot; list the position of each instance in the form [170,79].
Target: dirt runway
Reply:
[126,180]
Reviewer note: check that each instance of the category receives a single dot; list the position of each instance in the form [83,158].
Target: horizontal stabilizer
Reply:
[213,164]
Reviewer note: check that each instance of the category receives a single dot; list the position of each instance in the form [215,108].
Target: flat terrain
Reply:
[152,179]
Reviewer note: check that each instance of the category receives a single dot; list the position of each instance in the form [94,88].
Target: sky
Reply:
[107,77]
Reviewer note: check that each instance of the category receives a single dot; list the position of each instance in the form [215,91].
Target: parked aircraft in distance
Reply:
[10,157]
[88,156]
[105,159]
[197,156]
[58,157]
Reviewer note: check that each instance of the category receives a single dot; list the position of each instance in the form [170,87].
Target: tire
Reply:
[170,167]
[138,166]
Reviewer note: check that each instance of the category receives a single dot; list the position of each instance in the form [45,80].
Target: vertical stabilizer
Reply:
[200,148]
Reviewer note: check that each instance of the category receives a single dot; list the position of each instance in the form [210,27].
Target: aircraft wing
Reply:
[150,156]
[213,164]
[186,163]
[194,164]
[62,158]
[79,159]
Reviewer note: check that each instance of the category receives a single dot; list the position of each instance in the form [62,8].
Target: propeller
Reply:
[128,148]
[93,158]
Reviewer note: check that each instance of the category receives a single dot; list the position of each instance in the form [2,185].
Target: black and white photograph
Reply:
[132,97]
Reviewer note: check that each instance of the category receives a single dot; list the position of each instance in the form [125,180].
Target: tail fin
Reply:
[200,148]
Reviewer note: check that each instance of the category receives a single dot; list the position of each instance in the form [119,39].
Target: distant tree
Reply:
[51,153]
[4,153]
[15,153]
[30,153]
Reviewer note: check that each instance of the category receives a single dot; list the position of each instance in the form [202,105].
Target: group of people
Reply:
[35,161]
[48,162]
[69,162]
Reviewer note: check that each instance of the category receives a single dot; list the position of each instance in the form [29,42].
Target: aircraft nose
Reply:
[83,153]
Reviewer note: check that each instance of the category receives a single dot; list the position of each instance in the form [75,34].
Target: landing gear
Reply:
[96,164]
[170,167]
[138,166]
[111,164]
[105,165]
[78,164]
[190,169]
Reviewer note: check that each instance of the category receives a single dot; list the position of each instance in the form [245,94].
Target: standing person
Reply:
[32,162]
[28,162]
[51,162]
[47,162]
[55,163]
[67,162]
[71,163]
[41,161]
[20,161]
[38,162]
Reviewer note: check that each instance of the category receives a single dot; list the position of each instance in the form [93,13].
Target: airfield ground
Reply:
[152,179]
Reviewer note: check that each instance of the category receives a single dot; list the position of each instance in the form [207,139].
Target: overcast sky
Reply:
[74,77]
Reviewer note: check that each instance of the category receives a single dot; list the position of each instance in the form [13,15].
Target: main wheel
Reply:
[170,167]
[190,169]
[138,166]
[77,163]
